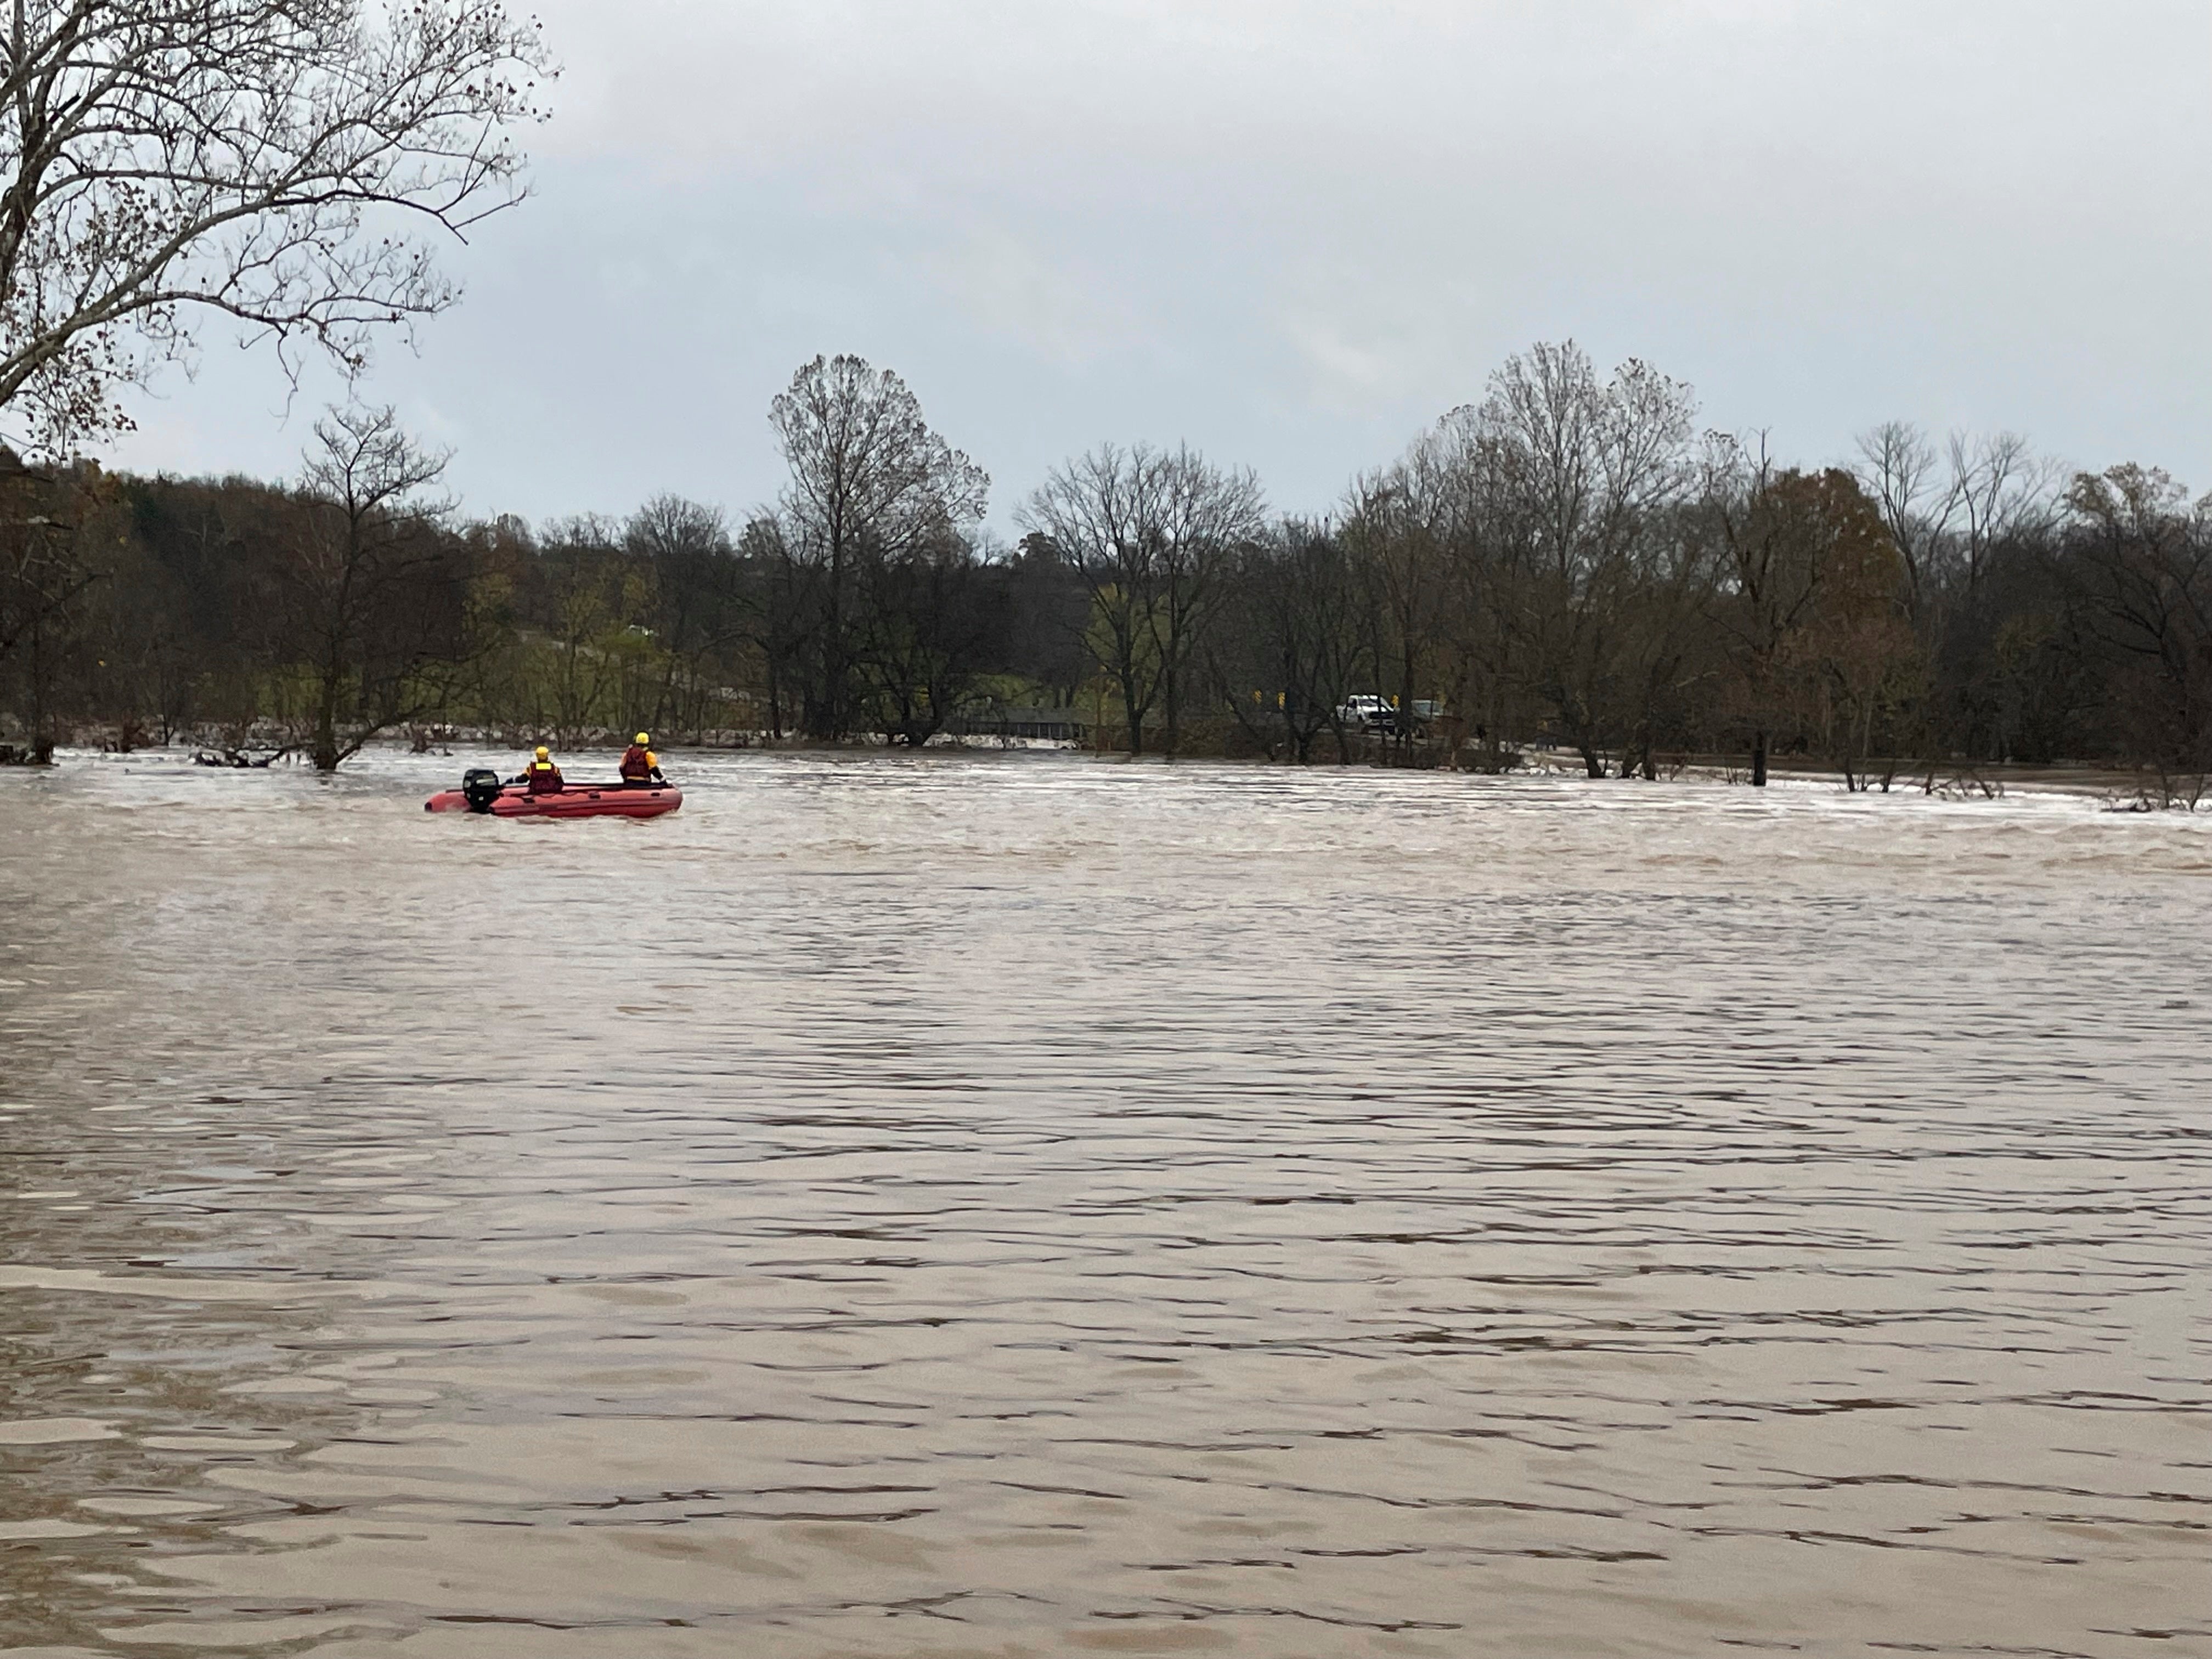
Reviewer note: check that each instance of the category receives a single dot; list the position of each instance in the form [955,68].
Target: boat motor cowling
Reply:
[480,785]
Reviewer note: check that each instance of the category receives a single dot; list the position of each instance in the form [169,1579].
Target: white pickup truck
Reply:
[1370,713]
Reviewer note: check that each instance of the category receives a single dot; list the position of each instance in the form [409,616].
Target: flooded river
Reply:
[1018,1206]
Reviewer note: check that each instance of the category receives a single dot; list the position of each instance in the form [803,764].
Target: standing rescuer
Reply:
[639,764]
[541,774]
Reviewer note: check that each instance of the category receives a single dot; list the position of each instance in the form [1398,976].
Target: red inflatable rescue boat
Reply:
[481,791]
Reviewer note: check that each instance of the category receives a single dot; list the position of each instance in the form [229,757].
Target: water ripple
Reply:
[1018,1207]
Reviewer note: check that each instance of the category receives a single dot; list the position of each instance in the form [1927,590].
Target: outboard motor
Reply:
[480,786]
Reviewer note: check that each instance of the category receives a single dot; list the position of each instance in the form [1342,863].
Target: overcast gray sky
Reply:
[1293,233]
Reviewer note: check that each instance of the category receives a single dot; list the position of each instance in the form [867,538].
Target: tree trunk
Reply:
[44,735]
[326,715]
[326,738]
[1127,675]
[1759,760]
[42,739]
[832,715]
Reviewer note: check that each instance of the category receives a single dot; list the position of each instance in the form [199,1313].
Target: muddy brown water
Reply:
[1020,1206]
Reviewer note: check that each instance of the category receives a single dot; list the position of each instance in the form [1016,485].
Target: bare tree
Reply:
[1050,610]
[1398,524]
[43,577]
[1999,487]
[779,610]
[2142,563]
[1290,647]
[376,594]
[1150,532]
[932,618]
[1947,511]
[276,161]
[1570,475]
[1808,574]
[1095,515]
[686,545]
[1898,470]
[866,471]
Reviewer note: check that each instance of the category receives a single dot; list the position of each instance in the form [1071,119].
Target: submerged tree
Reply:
[1402,529]
[932,618]
[2139,557]
[696,615]
[375,596]
[43,579]
[1294,643]
[1572,480]
[868,473]
[1807,576]
[1150,532]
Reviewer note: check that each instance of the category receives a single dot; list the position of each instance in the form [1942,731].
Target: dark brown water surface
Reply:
[1025,1206]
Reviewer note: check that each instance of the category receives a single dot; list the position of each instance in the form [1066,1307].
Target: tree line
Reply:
[1570,560]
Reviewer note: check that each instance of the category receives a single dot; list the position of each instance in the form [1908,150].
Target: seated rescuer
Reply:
[541,774]
[640,765]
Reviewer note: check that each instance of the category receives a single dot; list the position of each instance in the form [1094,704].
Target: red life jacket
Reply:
[544,777]
[637,763]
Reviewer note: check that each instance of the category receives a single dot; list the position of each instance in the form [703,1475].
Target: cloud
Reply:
[1294,231]
[1055,308]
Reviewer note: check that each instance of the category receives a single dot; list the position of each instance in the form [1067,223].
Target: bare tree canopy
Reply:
[363,463]
[1569,478]
[864,462]
[868,478]
[278,162]
[1152,533]
[1946,523]
[669,527]
[1582,461]
[375,599]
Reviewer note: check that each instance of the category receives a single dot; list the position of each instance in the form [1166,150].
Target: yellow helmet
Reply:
[543,753]
[643,737]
